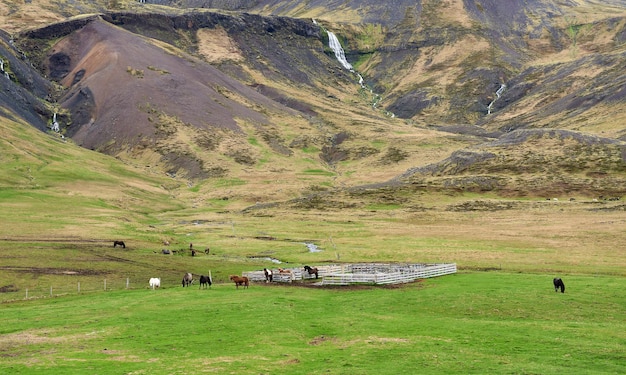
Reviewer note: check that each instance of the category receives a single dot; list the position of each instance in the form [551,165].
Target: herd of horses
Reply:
[244,282]
[205,281]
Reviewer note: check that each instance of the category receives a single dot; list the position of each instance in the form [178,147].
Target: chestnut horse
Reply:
[311,271]
[243,281]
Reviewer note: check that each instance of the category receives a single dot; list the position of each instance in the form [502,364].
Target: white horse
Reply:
[155,282]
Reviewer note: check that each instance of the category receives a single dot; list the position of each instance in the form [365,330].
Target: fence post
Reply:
[105,284]
[50,291]
[79,287]
[127,282]
[26,294]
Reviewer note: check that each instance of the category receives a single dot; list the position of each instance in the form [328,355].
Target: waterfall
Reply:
[5,73]
[334,44]
[498,95]
[55,125]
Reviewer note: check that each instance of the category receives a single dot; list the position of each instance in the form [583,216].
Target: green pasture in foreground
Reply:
[480,323]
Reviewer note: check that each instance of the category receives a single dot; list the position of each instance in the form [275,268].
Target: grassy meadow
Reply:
[498,314]
[471,322]
[62,207]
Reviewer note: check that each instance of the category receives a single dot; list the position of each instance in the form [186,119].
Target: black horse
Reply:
[121,243]
[311,271]
[205,281]
[187,279]
[558,284]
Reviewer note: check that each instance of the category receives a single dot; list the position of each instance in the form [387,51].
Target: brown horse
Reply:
[243,281]
[312,271]
[120,243]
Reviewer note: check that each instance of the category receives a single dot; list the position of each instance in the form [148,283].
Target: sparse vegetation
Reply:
[138,73]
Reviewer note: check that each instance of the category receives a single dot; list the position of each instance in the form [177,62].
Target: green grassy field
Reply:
[478,322]
[62,207]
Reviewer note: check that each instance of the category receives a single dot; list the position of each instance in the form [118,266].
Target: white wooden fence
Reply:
[397,274]
[361,273]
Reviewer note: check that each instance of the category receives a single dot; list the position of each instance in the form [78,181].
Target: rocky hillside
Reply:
[524,98]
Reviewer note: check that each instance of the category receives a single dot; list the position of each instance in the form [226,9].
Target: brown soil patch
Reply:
[50,271]
[216,46]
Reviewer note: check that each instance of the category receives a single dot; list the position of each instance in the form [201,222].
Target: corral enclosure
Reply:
[360,273]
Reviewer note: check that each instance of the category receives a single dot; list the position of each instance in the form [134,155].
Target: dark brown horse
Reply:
[120,243]
[312,271]
[243,281]
[205,281]
[558,284]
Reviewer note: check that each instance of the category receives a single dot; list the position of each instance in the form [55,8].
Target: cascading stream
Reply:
[6,74]
[333,43]
[498,95]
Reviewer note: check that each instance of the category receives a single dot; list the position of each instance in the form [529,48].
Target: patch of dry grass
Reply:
[215,45]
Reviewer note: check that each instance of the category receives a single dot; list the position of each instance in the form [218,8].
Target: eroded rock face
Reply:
[24,90]
[59,65]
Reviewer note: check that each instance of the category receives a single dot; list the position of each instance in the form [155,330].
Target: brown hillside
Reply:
[120,82]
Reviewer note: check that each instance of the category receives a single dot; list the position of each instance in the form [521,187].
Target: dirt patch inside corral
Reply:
[316,285]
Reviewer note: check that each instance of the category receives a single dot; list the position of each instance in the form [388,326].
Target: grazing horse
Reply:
[243,281]
[558,283]
[205,281]
[312,271]
[269,276]
[120,243]
[287,273]
[155,282]
[187,279]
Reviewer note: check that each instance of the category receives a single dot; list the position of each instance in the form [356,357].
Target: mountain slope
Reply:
[55,181]
[261,98]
